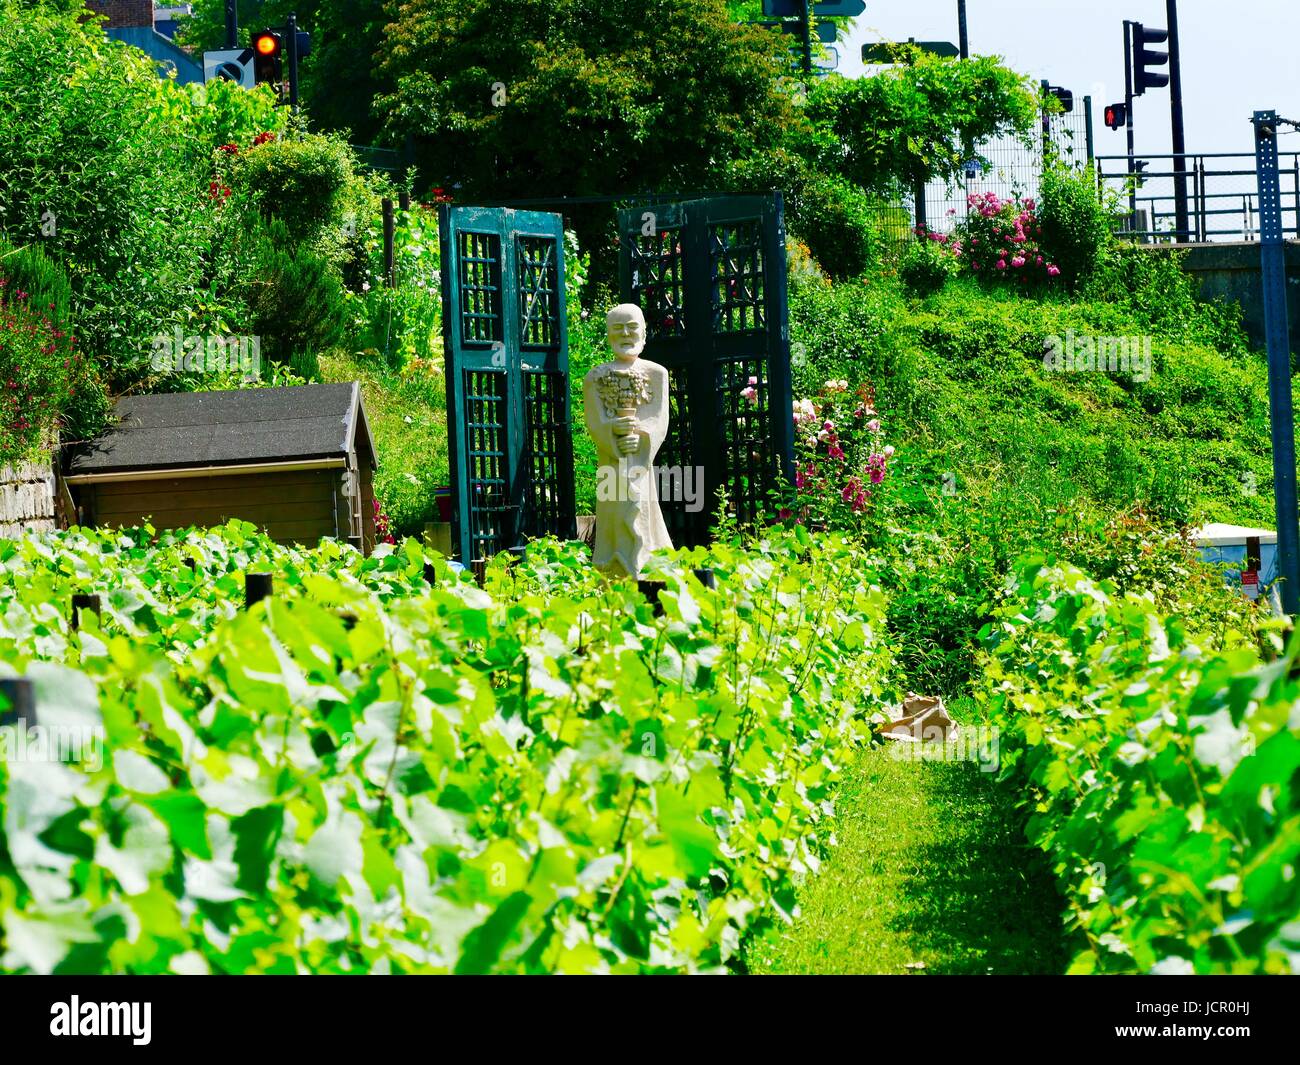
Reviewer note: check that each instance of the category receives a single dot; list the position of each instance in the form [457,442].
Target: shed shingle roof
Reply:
[252,425]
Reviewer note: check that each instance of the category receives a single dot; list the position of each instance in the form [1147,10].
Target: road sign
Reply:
[830,61]
[884,53]
[821,8]
[823,31]
[230,64]
[839,8]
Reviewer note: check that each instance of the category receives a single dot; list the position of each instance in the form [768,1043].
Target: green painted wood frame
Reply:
[505,338]
[710,276]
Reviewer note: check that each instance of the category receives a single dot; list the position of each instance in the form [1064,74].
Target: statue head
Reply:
[625,328]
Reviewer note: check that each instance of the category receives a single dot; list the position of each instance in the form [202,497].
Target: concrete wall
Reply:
[1231,272]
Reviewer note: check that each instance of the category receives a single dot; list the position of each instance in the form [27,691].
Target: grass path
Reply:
[932,874]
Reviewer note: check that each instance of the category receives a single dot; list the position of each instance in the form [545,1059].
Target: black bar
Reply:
[20,695]
[82,602]
[1277,334]
[805,25]
[1087,128]
[232,23]
[1179,142]
[257,586]
[404,200]
[1128,119]
[390,267]
[963,38]
[292,34]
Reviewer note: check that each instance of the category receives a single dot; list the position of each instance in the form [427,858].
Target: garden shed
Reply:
[298,462]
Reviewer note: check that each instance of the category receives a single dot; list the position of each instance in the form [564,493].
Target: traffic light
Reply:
[268,52]
[1143,59]
[1140,165]
[1064,95]
[1116,116]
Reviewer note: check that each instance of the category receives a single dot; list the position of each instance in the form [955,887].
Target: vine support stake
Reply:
[20,695]
[257,586]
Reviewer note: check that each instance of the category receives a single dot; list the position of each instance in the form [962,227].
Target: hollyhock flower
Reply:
[1053,271]
[750,394]
[889,450]
[873,426]
[1002,264]
[1018,261]
[785,513]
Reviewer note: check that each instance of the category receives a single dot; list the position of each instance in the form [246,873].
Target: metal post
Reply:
[257,586]
[291,29]
[232,23]
[1277,332]
[20,695]
[1087,129]
[1176,118]
[1047,124]
[390,229]
[963,38]
[805,24]
[1128,119]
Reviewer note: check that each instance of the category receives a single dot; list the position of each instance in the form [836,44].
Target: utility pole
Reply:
[1128,107]
[1176,118]
[963,38]
[232,23]
[292,34]
[1272,250]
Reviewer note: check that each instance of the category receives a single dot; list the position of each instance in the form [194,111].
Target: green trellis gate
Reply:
[508,411]
[710,275]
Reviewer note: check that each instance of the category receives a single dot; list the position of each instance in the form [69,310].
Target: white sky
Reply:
[1238,56]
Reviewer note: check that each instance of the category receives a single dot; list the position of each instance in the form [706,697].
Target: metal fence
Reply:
[1010,167]
[1221,190]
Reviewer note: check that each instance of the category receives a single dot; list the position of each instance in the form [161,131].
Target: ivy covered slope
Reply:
[370,773]
[1162,778]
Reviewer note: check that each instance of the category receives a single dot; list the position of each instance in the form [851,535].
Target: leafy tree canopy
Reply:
[551,97]
[916,121]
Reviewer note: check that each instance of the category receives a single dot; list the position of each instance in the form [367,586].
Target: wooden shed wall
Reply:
[292,506]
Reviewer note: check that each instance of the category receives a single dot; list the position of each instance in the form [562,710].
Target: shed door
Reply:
[506,343]
[710,276]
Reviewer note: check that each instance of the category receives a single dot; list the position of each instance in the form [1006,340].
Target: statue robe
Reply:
[629,523]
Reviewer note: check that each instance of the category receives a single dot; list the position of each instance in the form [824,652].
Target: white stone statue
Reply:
[626,404]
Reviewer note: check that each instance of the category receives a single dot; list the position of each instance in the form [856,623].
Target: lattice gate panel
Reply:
[545,459]
[486,437]
[744,417]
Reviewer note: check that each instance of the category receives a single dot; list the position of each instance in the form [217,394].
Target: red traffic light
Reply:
[1116,115]
[267,44]
[266,57]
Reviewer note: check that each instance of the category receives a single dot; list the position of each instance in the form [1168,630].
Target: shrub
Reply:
[926,267]
[296,300]
[1075,223]
[835,219]
[39,371]
[1161,777]
[1001,240]
[299,180]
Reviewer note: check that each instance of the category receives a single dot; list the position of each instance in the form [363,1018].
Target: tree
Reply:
[579,97]
[915,122]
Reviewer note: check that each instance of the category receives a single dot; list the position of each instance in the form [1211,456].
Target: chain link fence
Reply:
[1010,167]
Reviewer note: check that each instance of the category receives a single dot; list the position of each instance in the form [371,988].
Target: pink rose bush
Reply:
[841,457]
[1000,239]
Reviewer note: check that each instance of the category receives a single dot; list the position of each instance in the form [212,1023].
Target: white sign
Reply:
[230,64]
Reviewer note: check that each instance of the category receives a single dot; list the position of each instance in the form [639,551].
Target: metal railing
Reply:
[1222,195]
